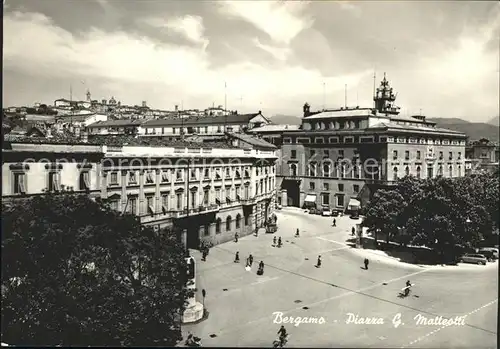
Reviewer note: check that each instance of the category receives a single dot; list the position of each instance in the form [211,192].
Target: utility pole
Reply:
[374,91]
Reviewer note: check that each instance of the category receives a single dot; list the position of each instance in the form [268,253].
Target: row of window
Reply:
[333,125]
[53,181]
[431,154]
[430,171]
[179,175]
[368,139]
[178,130]
[340,187]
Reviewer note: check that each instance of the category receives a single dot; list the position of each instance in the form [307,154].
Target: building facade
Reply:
[339,158]
[205,191]
[482,155]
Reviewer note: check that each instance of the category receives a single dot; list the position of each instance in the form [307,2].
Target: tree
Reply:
[74,272]
[383,213]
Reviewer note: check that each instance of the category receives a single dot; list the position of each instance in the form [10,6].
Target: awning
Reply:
[310,198]
[353,203]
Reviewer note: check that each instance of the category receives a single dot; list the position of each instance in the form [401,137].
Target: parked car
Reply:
[312,210]
[474,258]
[490,253]
[335,213]
[326,212]
[278,207]
[354,215]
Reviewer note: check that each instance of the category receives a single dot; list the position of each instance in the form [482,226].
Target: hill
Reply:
[281,119]
[475,130]
[495,121]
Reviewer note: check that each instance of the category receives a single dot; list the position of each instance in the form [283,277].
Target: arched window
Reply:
[418,172]
[440,170]
[450,170]
[238,220]
[407,171]
[293,170]
[217,225]
[206,230]
[228,223]
[326,170]
[395,175]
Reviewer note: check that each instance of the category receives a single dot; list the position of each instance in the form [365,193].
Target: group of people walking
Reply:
[249,263]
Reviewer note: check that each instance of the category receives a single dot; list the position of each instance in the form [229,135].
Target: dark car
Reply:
[335,213]
[489,254]
[354,215]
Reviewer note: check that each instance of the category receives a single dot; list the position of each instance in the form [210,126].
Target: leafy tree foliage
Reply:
[74,272]
[383,213]
[440,213]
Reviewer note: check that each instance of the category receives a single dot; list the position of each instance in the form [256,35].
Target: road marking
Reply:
[444,326]
[336,242]
[322,301]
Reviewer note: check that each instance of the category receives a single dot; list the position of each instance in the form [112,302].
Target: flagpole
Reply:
[225,106]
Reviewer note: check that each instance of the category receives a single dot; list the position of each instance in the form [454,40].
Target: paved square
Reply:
[292,285]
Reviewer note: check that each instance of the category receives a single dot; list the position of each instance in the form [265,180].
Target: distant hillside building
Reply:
[482,155]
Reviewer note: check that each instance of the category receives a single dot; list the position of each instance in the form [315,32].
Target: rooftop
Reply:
[275,128]
[203,120]
[341,113]
[392,125]
[117,123]
[253,141]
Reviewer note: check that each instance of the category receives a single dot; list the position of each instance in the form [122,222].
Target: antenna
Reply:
[374,84]
[357,98]
[345,96]
[71,93]
[324,95]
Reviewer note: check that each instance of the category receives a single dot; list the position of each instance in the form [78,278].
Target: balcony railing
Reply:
[201,209]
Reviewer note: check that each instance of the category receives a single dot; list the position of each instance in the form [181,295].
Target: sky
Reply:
[442,58]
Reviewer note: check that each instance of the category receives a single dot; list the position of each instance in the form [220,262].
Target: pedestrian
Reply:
[250,259]
[261,265]
[237,257]
[279,241]
[207,250]
[334,222]
[297,233]
[274,240]
[204,255]
[353,231]
[366,263]
[260,271]
[235,237]
[318,265]
[248,263]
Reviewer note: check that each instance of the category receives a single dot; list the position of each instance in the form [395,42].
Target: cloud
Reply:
[135,61]
[190,27]
[281,20]
[277,52]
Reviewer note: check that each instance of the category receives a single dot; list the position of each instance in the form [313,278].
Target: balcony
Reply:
[196,211]
[247,201]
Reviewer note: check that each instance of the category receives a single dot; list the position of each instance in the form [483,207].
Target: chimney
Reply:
[176,108]
[144,104]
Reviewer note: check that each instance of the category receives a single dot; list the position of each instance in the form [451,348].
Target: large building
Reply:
[482,155]
[205,190]
[338,158]
[177,127]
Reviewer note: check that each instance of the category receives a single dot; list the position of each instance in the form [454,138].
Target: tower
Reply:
[306,109]
[384,99]
[89,96]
